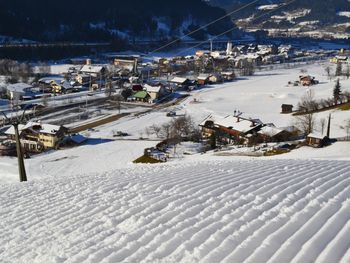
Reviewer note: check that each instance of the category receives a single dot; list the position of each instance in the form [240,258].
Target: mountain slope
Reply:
[100,20]
[258,211]
[300,16]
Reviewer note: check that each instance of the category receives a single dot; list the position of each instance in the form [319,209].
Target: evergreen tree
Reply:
[336,92]
[339,69]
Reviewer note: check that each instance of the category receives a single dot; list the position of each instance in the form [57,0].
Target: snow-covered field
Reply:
[92,204]
[216,211]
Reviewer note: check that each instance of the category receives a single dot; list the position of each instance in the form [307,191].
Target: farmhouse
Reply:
[37,137]
[203,79]
[180,81]
[155,92]
[229,128]
[306,80]
[273,134]
[93,70]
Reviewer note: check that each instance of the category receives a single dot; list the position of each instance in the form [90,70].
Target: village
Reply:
[61,110]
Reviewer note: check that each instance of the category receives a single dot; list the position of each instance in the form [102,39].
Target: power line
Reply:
[202,27]
[224,33]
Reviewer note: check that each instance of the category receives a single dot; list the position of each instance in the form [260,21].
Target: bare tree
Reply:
[166,131]
[307,102]
[155,129]
[347,73]
[305,123]
[182,126]
[44,69]
[328,71]
[347,129]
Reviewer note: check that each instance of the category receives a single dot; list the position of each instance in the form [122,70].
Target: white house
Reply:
[155,92]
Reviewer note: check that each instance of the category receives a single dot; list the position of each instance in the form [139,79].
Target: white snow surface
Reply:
[92,204]
[217,211]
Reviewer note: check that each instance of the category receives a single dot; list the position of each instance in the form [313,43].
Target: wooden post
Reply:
[21,168]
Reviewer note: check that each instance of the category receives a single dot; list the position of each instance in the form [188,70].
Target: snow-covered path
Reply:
[215,211]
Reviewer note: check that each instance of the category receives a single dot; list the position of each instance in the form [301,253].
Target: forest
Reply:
[86,20]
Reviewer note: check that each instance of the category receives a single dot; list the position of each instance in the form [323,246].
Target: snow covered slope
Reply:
[237,211]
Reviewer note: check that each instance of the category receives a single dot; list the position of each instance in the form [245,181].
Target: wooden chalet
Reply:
[273,134]
[229,128]
[181,82]
[37,137]
[203,79]
[306,80]
[155,92]
[287,108]
[317,140]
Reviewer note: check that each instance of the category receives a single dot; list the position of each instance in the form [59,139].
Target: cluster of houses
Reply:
[75,80]
[203,68]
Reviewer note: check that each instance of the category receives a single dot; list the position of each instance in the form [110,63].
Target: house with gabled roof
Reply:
[229,128]
[155,92]
[142,96]
[271,133]
[37,137]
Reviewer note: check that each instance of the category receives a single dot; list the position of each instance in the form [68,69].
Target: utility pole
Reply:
[329,126]
[21,168]
[20,158]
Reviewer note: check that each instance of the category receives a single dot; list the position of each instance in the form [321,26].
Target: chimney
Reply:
[88,61]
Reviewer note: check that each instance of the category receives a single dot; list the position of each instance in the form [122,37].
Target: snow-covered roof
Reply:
[203,76]
[49,80]
[91,69]
[150,88]
[179,80]
[78,138]
[270,131]
[44,128]
[19,87]
[316,135]
[232,122]
[227,73]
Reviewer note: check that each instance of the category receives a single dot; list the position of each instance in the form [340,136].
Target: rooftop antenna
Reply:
[15,123]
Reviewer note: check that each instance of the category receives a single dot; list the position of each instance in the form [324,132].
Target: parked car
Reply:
[171,114]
